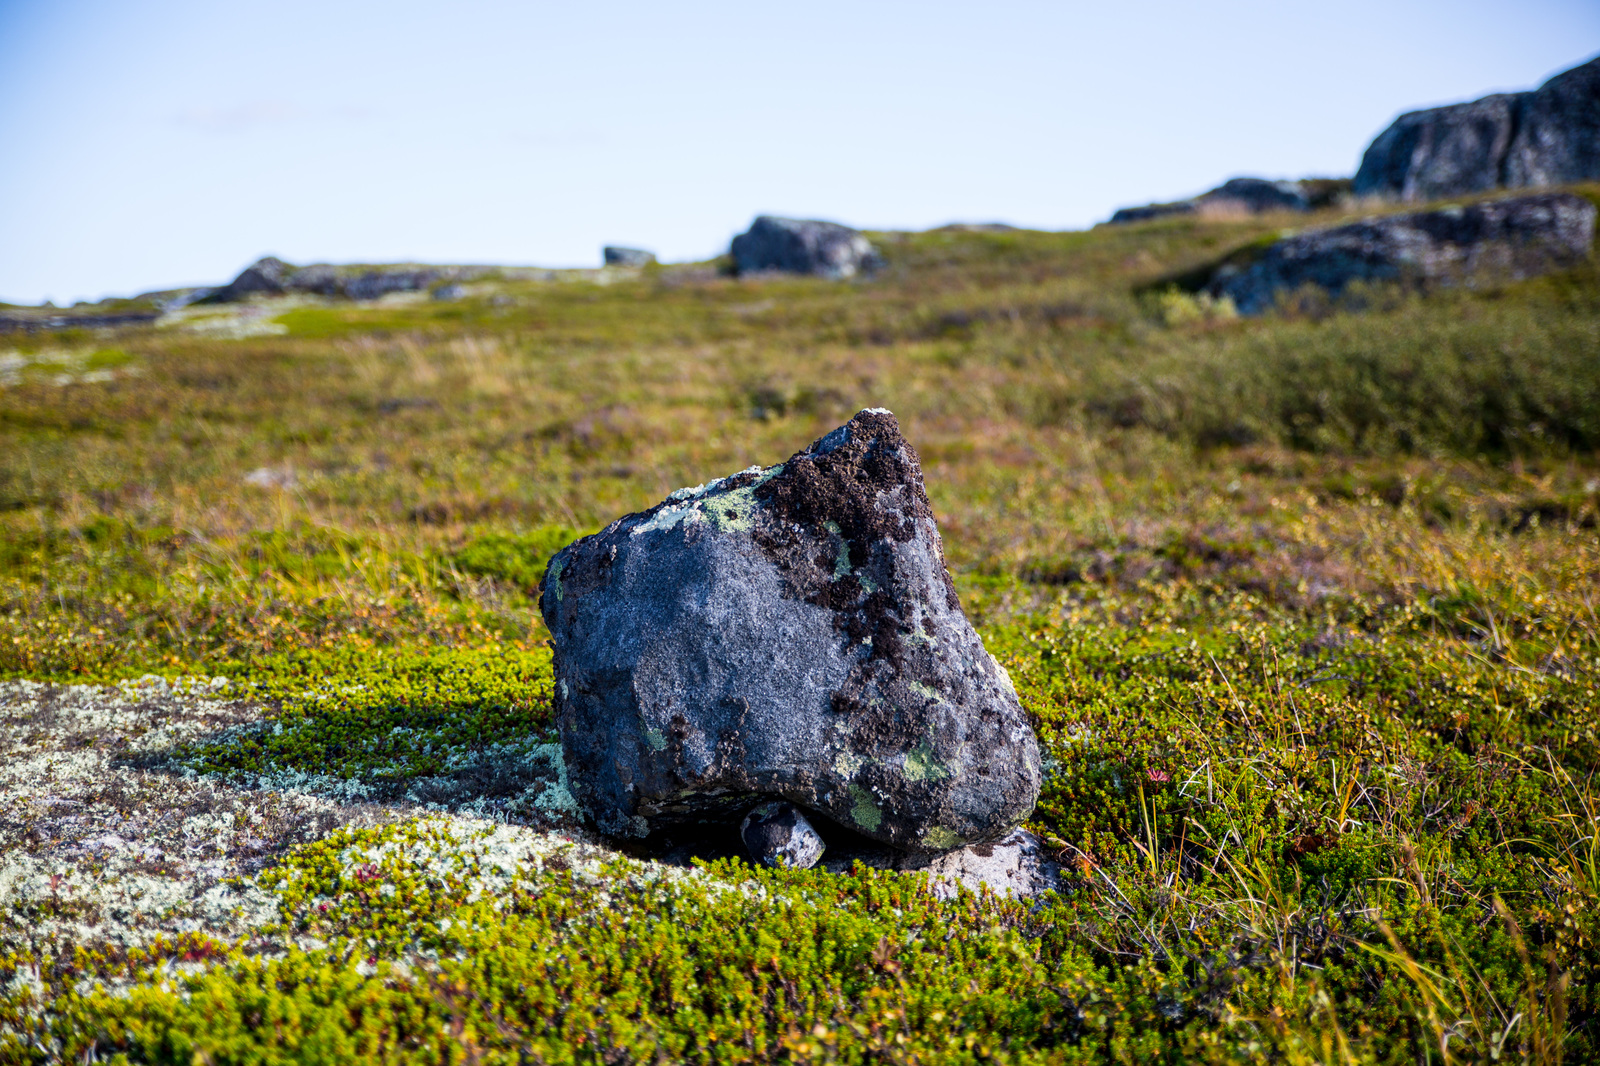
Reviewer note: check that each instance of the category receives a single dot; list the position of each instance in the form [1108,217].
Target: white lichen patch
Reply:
[100,847]
[724,510]
[107,843]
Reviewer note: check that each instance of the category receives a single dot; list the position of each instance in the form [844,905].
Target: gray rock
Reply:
[448,292]
[1558,139]
[1550,136]
[1507,239]
[274,277]
[616,255]
[265,276]
[1147,212]
[1016,864]
[787,633]
[1254,196]
[798,246]
[777,834]
[1240,196]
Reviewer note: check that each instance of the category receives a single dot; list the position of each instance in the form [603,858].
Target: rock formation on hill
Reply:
[800,246]
[616,255]
[1513,238]
[273,277]
[1549,136]
[786,633]
[1244,196]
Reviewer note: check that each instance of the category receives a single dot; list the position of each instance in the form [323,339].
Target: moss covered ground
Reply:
[1303,608]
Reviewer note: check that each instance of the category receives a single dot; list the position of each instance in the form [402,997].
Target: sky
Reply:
[154,144]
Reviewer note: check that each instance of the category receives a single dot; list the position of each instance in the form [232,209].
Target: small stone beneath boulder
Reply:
[616,255]
[779,835]
[802,246]
[1508,239]
[788,633]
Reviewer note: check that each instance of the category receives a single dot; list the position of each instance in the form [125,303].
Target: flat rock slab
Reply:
[1494,240]
[786,633]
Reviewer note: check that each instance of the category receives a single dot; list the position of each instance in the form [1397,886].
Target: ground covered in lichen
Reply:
[1303,608]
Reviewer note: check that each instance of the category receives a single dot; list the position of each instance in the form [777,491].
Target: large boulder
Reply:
[803,246]
[1507,239]
[788,633]
[1550,136]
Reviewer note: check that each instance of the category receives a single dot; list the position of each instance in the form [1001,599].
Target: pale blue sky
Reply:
[171,142]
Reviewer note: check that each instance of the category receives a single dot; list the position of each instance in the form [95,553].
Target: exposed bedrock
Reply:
[1549,136]
[1493,240]
[786,633]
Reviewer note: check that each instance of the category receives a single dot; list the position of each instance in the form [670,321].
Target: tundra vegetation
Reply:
[1303,608]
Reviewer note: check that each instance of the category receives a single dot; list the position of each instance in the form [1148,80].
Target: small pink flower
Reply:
[1158,776]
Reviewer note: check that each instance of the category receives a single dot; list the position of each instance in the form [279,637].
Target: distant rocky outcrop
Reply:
[1506,239]
[1238,197]
[616,255]
[274,277]
[1549,136]
[787,633]
[802,246]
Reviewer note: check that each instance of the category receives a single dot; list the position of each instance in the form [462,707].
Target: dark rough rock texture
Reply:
[777,834]
[616,255]
[1243,196]
[788,633]
[1550,136]
[798,246]
[1507,239]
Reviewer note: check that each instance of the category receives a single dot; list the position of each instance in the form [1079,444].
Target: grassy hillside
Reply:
[1303,607]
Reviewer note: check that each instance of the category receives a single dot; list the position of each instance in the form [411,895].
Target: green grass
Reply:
[1303,608]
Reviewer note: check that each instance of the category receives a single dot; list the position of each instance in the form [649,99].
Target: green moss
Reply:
[385,715]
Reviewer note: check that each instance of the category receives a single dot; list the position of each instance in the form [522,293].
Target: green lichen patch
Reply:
[941,839]
[864,808]
[922,765]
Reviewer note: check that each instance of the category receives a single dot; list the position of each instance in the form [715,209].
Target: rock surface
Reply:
[799,246]
[616,255]
[1549,136]
[1017,864]
[777,834]
[787,633]
[1244,196]
[274,277]
[1508,239]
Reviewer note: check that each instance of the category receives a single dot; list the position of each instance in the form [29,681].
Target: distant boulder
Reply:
[1244,196]
[799,246]
[616,255]
[1550,136]
[1254,196]
[263,276]
[1506,239]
